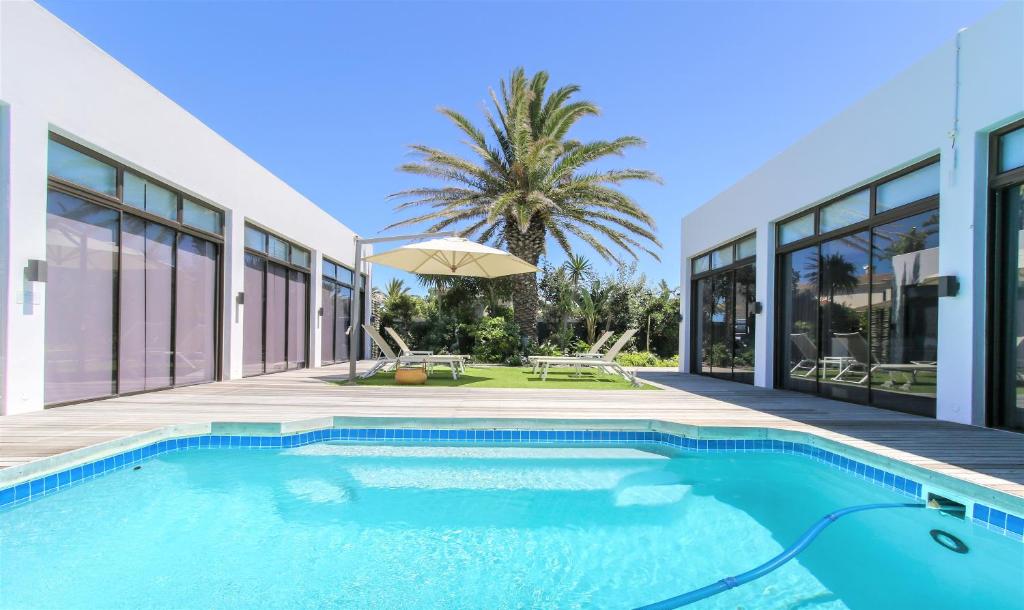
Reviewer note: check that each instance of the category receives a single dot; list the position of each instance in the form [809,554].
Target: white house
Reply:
[879,259]
[141,250]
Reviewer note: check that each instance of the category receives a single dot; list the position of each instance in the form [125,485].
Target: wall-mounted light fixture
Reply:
[35,271]
[948,285]
[758,307]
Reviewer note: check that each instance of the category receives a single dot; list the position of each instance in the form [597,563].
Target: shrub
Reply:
[646,359]
[496,340]
[637,359]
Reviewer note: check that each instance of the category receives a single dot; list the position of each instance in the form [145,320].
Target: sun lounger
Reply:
[593,352]
[408,352]
[605,363]
[390,359]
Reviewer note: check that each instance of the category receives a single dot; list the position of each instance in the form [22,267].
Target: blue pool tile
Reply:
[76,474]
[50,483]
[1015,524]
[22,491]
[64,478]
[7,495]
[997,518]
[204,441]
[37,487]
[981,512]
[109,464]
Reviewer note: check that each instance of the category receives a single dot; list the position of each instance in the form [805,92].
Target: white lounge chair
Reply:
[404,347]
[808,355]
[605,363]
[593,352]
[390,359]
[863,363]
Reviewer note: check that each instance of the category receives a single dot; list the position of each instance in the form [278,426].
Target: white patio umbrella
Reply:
[448,255]
[453,256]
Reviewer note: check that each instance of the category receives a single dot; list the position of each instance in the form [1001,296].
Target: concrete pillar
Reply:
[24,239]
[764,332]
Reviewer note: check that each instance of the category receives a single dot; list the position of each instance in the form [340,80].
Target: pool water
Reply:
[346,526]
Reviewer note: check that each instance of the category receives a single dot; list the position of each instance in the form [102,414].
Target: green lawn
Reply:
[516,377]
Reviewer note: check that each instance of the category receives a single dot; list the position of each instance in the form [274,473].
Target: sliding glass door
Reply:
[82,266]
[131,304]
[858,296]
[1006,402]
[724,319]
[133,274]
[337,303]
[276,309]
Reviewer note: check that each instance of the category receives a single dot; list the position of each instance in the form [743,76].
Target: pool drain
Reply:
[949,541]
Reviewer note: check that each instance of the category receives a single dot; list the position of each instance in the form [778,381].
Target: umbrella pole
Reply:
[355,315]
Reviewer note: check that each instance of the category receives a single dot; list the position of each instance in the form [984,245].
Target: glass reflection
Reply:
[724,324]
[843,278]
[905,307]
[1012,400]
[745,323]
[799,311]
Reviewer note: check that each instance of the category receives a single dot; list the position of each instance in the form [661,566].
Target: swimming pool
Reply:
[588,520]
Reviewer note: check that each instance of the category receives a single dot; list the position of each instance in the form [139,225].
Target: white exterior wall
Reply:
[53,79]
[906,120]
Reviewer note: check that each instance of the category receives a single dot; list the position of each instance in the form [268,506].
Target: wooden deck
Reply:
[986,457]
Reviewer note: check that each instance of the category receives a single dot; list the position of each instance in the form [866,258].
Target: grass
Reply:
[516,377]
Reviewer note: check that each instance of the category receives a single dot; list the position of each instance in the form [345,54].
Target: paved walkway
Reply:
[987,457]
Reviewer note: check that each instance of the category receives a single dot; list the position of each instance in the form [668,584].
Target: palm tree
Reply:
[529,183]
[592,306]
[578,268]
[395,289]
[835,274]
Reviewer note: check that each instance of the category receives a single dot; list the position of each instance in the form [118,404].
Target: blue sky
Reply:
[328,94]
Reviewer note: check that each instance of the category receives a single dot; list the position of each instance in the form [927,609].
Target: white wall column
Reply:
[764,332]
[26,233]
[685,323]
[962,236]
[234,284]
[315,306]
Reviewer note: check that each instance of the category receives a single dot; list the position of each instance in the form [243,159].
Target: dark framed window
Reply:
[857,294]
[723,318]
[1005,371]
[133,291]
[275,322]
[336,316]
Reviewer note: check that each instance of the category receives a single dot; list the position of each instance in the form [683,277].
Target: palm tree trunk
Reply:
[525,295]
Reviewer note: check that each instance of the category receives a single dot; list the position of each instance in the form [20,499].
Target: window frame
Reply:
[875,219]
[116,203]
[736,262]
[288,266]
[995,313]
[335,276]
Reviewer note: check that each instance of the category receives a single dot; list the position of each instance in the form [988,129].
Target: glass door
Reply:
[1009,309]
[724,320]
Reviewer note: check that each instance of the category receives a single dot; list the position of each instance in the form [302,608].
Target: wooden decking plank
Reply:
[988,457]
